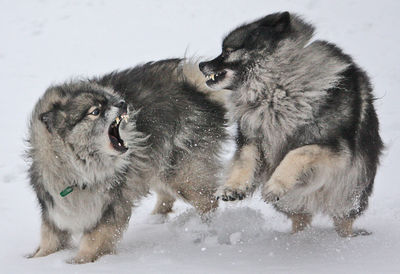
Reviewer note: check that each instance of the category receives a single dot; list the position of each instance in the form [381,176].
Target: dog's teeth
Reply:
[119,144]
[212,77]
[117,120]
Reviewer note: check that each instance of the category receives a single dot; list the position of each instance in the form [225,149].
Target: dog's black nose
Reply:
[121,104]
[202,65]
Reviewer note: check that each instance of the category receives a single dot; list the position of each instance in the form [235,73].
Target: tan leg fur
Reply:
[240,179]
[300,221]
[52,240]
[98,242]
[295,165]
[164,203]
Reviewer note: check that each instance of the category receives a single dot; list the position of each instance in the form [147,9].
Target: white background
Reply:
[45,42]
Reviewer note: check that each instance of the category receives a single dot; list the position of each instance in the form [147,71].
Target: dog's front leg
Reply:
[294,167]
[102,239]
[52,240]
[96,243]
[240,179]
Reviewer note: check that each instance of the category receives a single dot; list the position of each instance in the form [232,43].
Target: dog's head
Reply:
[86,126]
[246,45]
[88,118]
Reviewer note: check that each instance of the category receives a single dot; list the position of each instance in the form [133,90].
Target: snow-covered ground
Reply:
[43,42]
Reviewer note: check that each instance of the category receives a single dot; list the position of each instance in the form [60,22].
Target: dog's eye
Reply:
[95,111]
[227,51]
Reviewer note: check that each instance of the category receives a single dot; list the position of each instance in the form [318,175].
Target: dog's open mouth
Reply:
[214,78]
[113,133]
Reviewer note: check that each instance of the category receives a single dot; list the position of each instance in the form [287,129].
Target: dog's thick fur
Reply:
[170,143]
[308,130]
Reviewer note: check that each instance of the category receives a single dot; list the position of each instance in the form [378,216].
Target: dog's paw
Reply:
[32,255]
[354,233]
[270,197]
[361,232]
[81,260]
[230,194]
[86,257]
[40,252]
[273,191]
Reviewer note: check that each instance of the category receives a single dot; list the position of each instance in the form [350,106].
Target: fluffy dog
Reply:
[308,130]
[98,145]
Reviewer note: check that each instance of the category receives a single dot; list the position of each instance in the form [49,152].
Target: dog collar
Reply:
[69,189]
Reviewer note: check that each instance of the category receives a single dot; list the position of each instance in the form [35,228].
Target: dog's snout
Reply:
[121,104]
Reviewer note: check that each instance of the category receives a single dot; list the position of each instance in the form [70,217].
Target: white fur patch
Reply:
[78,211]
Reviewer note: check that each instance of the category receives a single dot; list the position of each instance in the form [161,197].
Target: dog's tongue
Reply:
[114,141]
[117,145]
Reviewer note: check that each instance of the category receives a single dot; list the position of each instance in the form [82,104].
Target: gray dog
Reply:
[308,131]
[97,146]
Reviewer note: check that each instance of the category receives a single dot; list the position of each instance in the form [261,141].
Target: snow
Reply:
[45,42]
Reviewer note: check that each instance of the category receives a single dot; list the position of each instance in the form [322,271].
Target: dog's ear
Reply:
[278,21]
[48,118]
[51,118]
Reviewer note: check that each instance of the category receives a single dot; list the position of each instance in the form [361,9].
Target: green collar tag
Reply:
[66,191]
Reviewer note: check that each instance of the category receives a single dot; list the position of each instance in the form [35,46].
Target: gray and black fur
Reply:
[81,137]
[305,117]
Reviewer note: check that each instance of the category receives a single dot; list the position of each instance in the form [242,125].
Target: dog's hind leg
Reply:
[344,227]
[203,200]
[300,221]
[196,180]
[52,240]
[298,166]
[164,203]
[205,204]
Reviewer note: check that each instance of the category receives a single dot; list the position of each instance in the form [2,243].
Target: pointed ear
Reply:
[283,22]
[48,118]
[279,21]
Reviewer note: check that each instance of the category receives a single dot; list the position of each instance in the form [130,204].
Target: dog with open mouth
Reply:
[99,145]
[308,133]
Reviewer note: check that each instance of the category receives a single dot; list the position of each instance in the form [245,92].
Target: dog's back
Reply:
[186,127]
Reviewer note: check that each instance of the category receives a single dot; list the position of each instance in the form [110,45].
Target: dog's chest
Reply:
[269,109]
[259,125]
[270,114]
[79,210]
